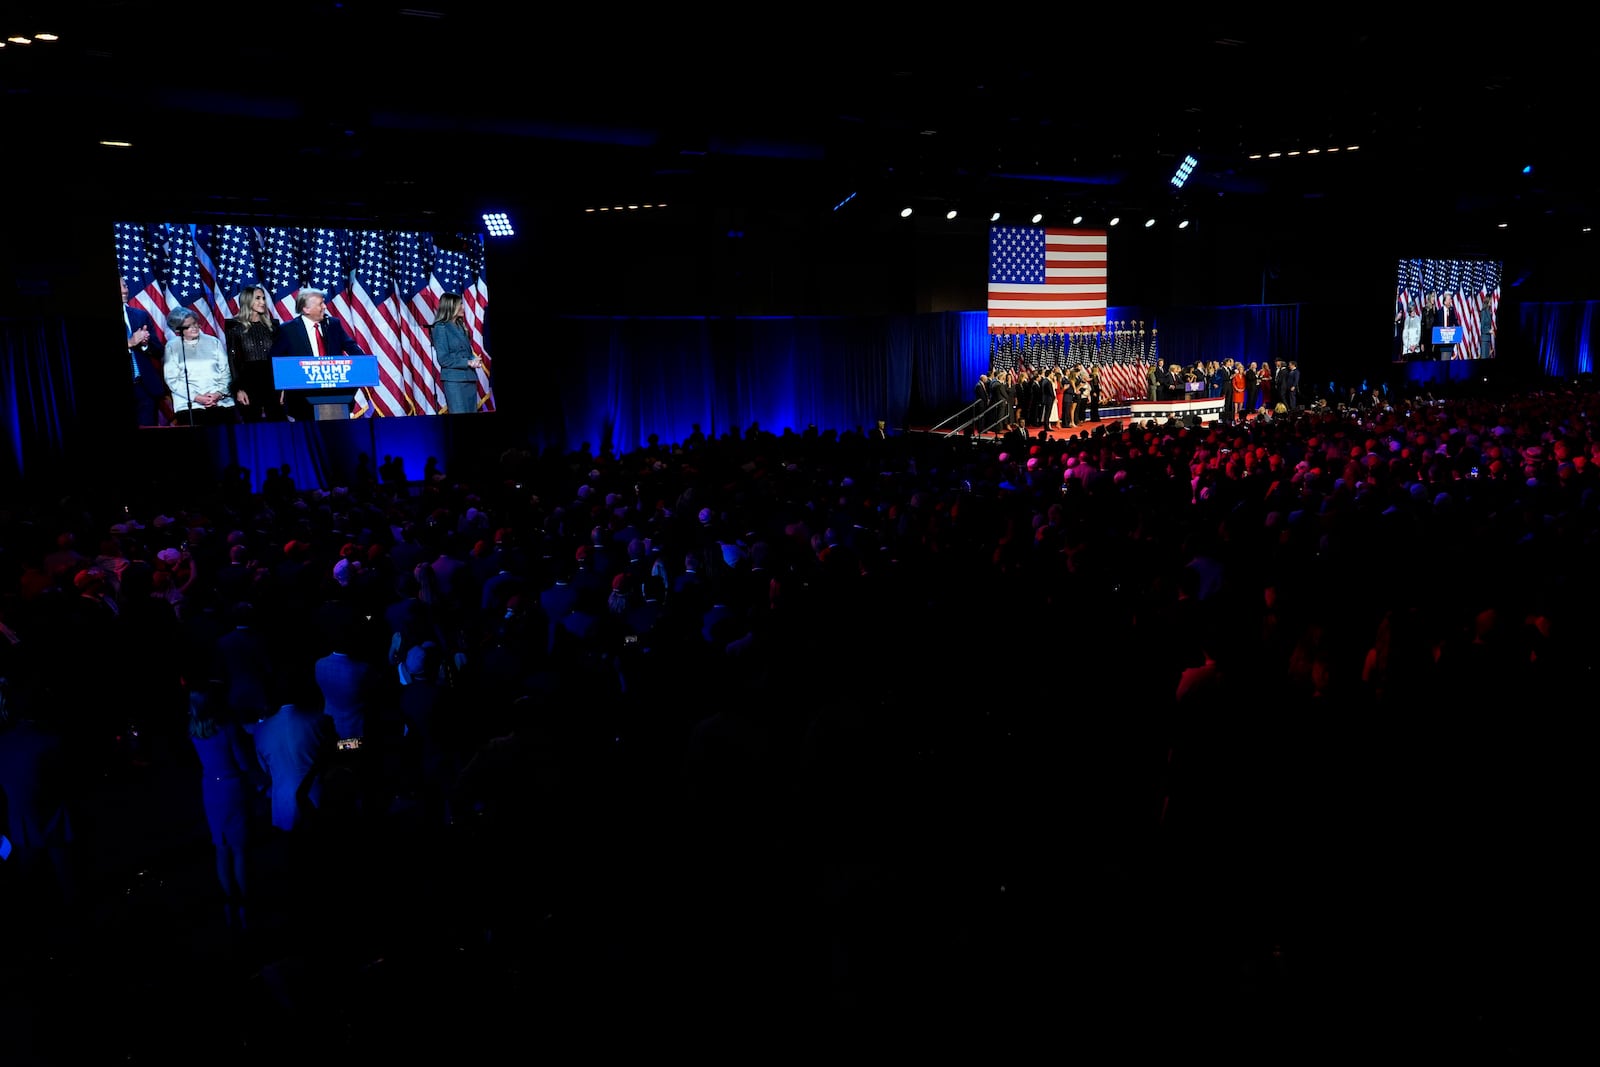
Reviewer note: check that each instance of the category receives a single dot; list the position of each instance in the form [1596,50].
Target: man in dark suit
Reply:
[312,332]
[149,386]
[1291,394]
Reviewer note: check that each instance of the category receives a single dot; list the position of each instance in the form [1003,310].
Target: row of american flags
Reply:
[382,285]
[1472,284]
[1123,351]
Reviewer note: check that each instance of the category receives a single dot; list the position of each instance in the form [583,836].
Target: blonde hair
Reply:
[449,309]
[246,313]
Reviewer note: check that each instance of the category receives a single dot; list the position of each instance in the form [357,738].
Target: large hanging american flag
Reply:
[384,287]
[1040,277]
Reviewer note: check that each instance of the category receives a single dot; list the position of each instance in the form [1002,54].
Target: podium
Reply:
[327,383]
[1445,339]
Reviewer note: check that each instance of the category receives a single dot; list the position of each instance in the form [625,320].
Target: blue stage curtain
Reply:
[621,380]
[37,396]
[952,350]
[1558,333]
[1251,333]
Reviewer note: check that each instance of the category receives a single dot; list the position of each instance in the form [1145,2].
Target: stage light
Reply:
[499,224]
[1333,150]
[950,214]
[1352,148]
[905,213]
[45,37]
[1185,169]
[1501,226]
[1274,155]
[19,40]
[1038,217]
[843,202]
[1528,169]
[1184,225]
[1077,219]
[1586,229]
[1296,152]
[1256,156]
[117,144]
[1114,221]
[1312,151]
[995,217]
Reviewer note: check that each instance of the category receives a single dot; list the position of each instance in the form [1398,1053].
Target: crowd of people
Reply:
[835,714]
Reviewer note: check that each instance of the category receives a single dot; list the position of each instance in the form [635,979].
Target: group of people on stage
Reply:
[1414,322]
[1061,398]
[1242,387]
[198,379]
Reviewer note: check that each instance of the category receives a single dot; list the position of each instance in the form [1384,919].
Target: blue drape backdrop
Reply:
[38,401]
[1559,333]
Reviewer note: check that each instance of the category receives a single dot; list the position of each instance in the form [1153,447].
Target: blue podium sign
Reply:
[1446,335]
[332,372]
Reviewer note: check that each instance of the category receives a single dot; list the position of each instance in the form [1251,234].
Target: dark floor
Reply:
[975,910]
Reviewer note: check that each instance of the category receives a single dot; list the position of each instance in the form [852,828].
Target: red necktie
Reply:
[317,329]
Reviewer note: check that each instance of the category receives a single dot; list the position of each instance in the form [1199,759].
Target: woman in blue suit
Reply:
[458,367]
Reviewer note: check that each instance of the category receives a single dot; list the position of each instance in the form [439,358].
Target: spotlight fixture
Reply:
[995,217]
[905,213]
[1296,152]
[1256,156]
[1333,149]
[1274,155]
[117,144]
[1076,219]
[19,39]
[1500,226]
[1038,217]
[1351,148]
[1528,169]
[499,224]
[1185,169]
[1149,223]
[1115,220]
[1312,151]
[1183,225]
[950,214]
[45,37]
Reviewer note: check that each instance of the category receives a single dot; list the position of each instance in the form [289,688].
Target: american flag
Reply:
[281,251]
[415,302]
[368,310]
[191,281]
[1046,277]
[388,274]
[134,241]
[236,263]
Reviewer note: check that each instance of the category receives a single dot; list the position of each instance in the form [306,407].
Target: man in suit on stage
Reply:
[149,386]
[312,332]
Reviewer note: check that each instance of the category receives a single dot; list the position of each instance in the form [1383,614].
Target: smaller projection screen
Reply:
[1446,309]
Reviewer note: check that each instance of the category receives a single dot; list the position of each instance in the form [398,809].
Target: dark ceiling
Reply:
[367,111]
